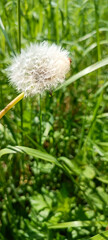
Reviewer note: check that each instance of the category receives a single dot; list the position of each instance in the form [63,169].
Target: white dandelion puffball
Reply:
[38,68]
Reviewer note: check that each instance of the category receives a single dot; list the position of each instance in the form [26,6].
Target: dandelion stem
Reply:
[11,104]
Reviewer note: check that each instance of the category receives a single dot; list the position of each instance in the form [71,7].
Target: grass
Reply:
[54,185]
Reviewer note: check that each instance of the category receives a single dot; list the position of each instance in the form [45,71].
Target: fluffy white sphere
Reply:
[38,68]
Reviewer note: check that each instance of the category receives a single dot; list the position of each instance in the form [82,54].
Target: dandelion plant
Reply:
[38,68]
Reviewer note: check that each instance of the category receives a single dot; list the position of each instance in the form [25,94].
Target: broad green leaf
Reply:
[101,236]
[38,202]
[84,72]
[89,172]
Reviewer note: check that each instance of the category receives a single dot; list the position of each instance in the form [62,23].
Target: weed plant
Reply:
[54,150]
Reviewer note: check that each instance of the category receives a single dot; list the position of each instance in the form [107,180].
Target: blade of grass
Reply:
[10,127]
[32,152]
[101,236]
[71,165]
[93,121]
[89,35]
[19,50]
[19,26]
[96,6]
[6,36]
[94,45]
[84,72]
[40,119]
[101,89]
[57,22]
[74,224]
[6,151]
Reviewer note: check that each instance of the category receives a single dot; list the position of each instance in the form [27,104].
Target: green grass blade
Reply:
[71,165]
[30,151]
[96,7]
[74,224]
[101,89]
[94,45]
[77,224]
[84,72]
[8,123]
[101,236]
[19,26]
[6,36]
[89,35]
[103,179]
[38,154]
[93,121]
[6,151]
[19,50]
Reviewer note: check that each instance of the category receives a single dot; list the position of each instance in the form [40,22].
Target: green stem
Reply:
[57,22]
[40,118]
[96,6]
[93,122]
[19,27]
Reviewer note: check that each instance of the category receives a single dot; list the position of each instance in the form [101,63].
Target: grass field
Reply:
[54,149]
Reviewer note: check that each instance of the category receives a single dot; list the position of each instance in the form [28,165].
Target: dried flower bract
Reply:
[38,68]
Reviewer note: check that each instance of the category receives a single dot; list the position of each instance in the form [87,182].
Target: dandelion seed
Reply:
[39,68]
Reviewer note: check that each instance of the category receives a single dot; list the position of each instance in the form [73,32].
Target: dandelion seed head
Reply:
[38,68]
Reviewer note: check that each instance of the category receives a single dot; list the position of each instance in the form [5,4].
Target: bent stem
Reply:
[11,104]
